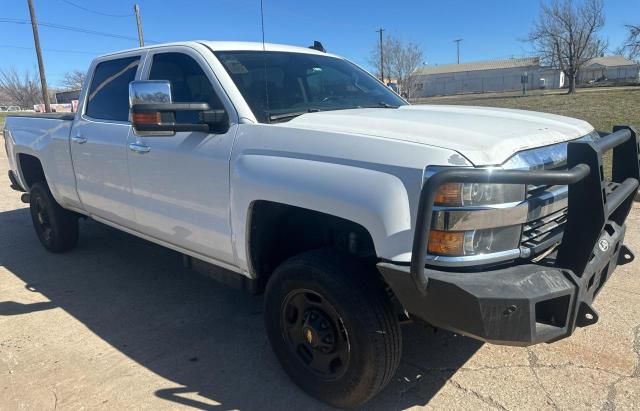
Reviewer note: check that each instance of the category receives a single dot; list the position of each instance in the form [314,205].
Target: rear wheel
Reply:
[56,227]
[332,327]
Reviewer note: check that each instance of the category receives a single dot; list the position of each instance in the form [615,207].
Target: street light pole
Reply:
[36,40]
[136,10]
[381,55]
[458,48]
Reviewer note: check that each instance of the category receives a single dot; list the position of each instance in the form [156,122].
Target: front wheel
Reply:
[332,327]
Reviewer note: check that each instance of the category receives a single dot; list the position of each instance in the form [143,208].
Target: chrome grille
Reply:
[537,232]
[545,231]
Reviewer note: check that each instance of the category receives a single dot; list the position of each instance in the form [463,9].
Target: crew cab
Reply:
[294,172]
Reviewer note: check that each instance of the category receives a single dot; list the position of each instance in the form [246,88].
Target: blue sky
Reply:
[490,29]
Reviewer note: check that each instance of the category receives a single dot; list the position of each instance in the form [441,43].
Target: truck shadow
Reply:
[204,337]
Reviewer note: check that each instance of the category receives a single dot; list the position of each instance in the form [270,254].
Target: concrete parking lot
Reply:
[119,324]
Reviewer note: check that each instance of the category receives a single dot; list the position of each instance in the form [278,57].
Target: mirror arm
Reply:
[213,116]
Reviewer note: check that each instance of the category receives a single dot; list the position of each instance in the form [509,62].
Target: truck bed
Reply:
[44,136]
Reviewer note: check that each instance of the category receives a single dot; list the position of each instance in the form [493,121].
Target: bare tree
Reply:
[73,80]
[400,60]
[404,62]
[388,45]
[566,35]
[23,90]
[631,46]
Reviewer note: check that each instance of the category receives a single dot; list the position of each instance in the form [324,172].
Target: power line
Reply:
[93,53]
[95,11]
[71,28]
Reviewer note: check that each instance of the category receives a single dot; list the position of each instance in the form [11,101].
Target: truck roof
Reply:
[231,45]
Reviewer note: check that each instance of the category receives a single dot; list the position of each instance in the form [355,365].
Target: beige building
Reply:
[610,68]
[484,77]
[507,75]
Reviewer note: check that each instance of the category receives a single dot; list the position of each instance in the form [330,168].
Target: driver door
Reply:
[180,183]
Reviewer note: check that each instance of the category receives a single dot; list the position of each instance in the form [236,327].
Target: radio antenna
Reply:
[264,60]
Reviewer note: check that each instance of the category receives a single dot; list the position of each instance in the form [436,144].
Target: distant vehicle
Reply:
[9,108]
[600,79]
[293,171]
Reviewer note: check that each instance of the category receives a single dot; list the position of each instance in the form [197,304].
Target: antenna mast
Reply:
[264,58]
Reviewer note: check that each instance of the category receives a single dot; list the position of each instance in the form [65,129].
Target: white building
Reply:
[611,68]
[484,77]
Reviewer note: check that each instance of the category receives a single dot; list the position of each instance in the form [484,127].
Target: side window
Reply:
[189,83]
[108,97]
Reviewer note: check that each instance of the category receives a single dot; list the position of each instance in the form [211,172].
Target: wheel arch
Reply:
[277,231]
[377,199]
[30,169]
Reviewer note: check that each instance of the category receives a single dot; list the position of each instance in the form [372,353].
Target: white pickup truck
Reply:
[292,171]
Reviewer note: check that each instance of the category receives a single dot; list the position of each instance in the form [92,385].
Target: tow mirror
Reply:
[153,112]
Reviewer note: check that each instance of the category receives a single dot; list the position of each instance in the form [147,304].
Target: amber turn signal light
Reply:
[449,194]
[146,118]
[449,243]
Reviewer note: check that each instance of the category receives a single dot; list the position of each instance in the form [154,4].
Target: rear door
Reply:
[180,183]
[99,141]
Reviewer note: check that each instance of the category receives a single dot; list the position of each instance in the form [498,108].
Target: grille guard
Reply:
[589,203]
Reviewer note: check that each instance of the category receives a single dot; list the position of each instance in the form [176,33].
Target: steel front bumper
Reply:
[525,304]
[519,305]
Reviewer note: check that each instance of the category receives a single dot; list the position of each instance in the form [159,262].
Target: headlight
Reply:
[473,242]
[478,194]
[484,223]
[463,201]
[459,228]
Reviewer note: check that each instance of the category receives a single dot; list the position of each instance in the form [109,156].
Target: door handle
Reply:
[139,148]
[79,139]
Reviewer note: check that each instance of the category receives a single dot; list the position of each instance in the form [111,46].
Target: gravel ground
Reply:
[119,324]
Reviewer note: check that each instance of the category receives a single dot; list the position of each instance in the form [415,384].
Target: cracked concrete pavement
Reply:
[118,323]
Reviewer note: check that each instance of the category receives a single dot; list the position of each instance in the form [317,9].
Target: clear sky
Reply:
[491,29]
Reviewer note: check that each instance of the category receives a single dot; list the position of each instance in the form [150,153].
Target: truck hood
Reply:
[485,136]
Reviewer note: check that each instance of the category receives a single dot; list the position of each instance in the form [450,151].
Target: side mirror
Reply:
[152,112]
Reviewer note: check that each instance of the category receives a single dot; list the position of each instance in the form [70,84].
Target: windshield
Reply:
[298,83]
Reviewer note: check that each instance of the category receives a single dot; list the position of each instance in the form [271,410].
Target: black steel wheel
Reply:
[332,327]
[56,228]
[315,333]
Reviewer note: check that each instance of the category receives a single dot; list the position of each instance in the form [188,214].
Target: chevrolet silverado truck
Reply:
[293,171]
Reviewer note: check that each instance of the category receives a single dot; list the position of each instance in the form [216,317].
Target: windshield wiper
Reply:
[385,105]
[291,115]
[381,104]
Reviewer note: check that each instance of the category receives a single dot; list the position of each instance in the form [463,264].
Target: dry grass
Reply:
[602,108]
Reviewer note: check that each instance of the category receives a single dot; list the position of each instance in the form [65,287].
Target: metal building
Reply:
[610,68]
[484,77]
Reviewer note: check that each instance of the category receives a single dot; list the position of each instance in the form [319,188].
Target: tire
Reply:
[354,322]
[57,228]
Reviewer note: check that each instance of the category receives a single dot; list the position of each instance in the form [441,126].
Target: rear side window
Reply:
[108,97]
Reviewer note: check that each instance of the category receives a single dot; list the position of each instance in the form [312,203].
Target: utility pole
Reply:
[381,55]
[457,41]
[36,40]
[136,10]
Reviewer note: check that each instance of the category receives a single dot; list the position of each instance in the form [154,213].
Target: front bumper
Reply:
[527,303]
